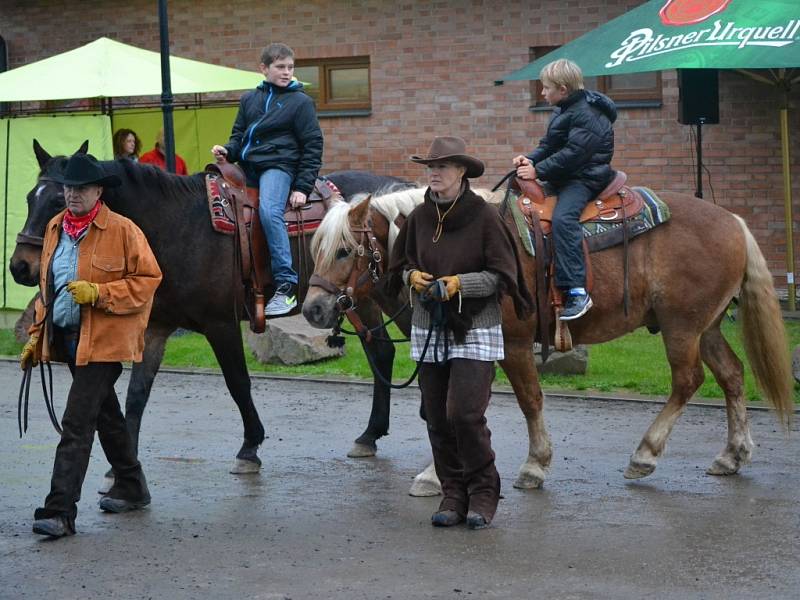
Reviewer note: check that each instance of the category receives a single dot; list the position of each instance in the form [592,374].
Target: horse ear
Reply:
[360,212]
[84,148]
[42,156]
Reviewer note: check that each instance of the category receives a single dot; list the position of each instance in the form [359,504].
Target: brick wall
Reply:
[433,67]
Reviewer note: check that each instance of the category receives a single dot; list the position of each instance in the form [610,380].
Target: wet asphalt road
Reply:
[315,524]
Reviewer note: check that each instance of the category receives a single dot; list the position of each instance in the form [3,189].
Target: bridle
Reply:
[34,240]
[367,269]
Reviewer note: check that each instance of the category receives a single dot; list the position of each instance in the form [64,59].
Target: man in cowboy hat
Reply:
[458,255]
[97,281]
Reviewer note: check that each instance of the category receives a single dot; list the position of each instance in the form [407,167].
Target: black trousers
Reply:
[455,397]
[92,405]
[568,234]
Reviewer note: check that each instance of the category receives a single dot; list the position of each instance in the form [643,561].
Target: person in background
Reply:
[126,144]
[574,156]
[97,282]
[157,157]
[277,140]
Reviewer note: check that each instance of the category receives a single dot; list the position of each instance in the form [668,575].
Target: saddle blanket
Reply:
[600,235]
[298,221]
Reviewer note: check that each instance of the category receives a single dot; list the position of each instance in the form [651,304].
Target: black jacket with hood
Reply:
[579,142]
[277,128]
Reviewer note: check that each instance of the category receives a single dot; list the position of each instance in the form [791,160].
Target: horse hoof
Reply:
[723,466]
[637,470]
[424,488]
[362,450]
[105,487]
[531,477]
[243,467]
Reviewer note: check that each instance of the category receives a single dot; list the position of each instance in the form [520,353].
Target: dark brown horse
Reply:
[683,275]
[199,288]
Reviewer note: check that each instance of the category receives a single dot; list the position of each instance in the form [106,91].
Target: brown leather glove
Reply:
[419,280]
[453,285]
[83,292]
[28,353]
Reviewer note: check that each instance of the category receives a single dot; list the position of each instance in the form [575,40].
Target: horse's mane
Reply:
[139,178]
[334,231]
[404,201]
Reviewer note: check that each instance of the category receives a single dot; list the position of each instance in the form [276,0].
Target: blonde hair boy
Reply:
[563,72]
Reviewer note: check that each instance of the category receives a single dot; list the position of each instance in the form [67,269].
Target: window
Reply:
[337,84]
[634,89]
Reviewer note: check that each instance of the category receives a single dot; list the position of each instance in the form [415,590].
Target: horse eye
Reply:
[343,253]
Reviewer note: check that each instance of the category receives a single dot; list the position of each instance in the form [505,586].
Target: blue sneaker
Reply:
[576,306]
[283,302]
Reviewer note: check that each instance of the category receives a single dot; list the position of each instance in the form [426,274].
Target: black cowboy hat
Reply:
[451,149]
[83,169]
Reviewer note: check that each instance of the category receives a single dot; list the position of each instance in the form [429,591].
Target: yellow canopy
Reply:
[106,68]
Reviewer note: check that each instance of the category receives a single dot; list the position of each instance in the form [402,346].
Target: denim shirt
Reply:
[66,313]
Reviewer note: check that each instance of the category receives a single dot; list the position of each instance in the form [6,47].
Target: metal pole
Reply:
[699,191]
[787,206]
[166,87]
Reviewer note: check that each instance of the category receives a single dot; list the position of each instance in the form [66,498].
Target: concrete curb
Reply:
[501,390]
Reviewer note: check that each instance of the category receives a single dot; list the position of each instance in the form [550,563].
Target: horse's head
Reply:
[45,200]
[348,260]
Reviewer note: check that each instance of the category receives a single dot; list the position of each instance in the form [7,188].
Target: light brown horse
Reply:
[683,274]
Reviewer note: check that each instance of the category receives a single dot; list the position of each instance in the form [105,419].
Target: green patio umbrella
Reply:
[106,68]
[758,38]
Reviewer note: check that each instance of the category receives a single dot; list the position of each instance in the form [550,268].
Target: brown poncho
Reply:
[474,238]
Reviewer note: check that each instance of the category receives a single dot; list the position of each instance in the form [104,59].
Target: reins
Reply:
[372,251]
[25,384]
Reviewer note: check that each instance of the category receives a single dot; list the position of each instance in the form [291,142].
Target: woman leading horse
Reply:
[458,257]
[683,275]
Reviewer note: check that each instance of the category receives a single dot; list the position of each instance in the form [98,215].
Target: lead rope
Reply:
[25,386]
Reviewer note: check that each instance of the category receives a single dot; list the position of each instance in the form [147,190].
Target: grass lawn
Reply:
[634,363]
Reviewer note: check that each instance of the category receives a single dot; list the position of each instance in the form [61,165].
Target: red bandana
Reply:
[75,226]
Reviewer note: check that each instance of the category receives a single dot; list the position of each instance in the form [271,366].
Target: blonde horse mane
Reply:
[404,201]
[334,231]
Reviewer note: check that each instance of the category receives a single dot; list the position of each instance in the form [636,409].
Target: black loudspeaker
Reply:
[698,96]
[3,68]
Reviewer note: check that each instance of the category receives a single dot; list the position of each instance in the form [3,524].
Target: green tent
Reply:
[105,68]
[758,38]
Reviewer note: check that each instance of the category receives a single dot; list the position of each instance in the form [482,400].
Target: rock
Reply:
[291,341]
[573,362]
[25,321]
[796,363]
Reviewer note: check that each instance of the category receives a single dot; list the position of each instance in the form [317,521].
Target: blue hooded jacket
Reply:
[579,142]
[277,128]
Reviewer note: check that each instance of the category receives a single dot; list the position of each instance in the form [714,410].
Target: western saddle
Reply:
[234,211]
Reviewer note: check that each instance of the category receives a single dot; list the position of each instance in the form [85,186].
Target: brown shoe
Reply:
[476,520]
[446,518]
[55,527]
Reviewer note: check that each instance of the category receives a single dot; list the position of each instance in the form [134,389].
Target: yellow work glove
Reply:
[420,280]
[28,353]
[453,285]
[83,292]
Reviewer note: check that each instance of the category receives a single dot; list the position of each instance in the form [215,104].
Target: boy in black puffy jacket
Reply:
[277,141]
[574,157]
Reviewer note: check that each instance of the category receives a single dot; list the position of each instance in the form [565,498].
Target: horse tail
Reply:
[763,332]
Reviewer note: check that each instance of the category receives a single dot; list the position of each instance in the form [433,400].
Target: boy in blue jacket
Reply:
[574,157]
[277,141]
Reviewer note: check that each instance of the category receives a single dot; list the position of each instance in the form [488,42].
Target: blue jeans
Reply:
[273,191]
[568,234]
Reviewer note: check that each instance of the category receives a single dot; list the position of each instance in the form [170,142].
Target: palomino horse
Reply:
[682,276]
[199,288]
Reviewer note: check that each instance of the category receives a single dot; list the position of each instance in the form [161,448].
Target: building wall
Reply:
[433,65]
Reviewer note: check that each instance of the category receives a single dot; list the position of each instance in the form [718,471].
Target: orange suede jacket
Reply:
[115,255]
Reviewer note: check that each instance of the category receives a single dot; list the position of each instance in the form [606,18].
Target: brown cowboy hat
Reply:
[451,149]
